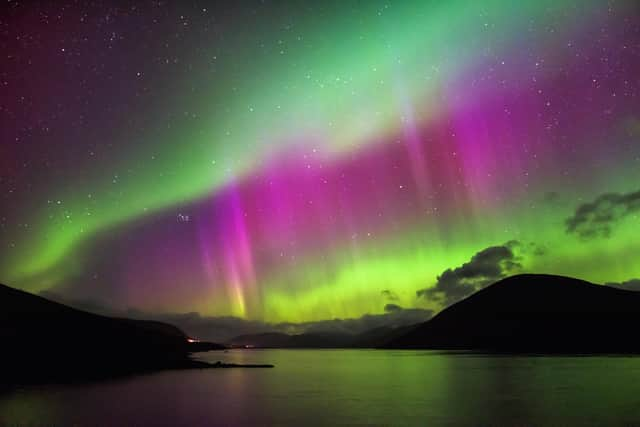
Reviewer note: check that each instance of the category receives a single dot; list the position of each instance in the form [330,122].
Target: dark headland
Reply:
[534,313]
[43,341]
[371,338]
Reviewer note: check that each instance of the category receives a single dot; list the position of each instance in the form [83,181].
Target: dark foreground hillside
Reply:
[42,340]
[535,313]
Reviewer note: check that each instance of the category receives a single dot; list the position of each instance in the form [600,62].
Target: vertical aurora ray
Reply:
[236,250]
[294,172]
[324,87]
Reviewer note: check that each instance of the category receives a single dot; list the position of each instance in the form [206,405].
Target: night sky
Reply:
[303,161]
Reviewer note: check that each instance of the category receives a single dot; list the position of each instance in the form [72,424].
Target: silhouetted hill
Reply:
[369,339]
[535,313]
[374,338]
[42,340]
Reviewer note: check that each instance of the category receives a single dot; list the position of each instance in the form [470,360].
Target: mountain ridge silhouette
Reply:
[534,313]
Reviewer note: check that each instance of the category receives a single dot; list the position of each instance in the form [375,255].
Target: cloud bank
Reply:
[629,285]
[597,218]
[485,267]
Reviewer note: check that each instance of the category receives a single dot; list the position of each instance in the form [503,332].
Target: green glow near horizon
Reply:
[345,87]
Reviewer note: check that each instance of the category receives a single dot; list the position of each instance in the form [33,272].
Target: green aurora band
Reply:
[296,171]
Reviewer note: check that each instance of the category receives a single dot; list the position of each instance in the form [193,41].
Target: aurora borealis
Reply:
[299,161]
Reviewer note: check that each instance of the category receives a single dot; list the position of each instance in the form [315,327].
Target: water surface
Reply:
[349,387]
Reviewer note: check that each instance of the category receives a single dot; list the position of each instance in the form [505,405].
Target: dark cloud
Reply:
[223,328]
[484,268]
[388,308]
[539,250]
[597,218]
[551,197]
[629,285]
[389,294]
